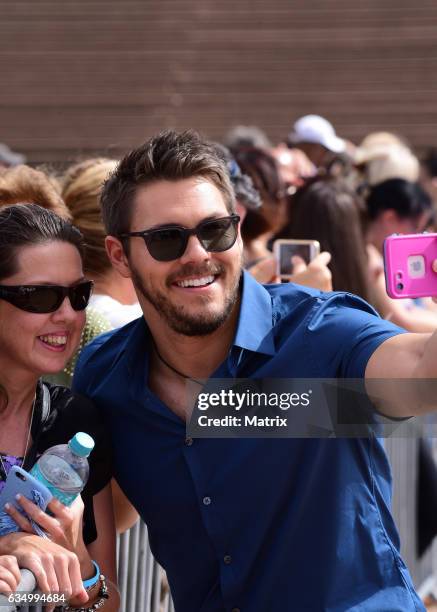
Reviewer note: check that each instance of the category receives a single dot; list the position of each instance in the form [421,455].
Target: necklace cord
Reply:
[27,441]
[170,367]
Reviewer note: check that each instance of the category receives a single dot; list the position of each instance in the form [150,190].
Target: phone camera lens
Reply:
[399,286]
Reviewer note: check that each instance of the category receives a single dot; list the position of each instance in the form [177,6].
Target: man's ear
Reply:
[117,256]
[241,211]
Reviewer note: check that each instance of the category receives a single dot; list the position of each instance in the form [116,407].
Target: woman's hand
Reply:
[265,271]
[64,528]
[56,569]
[316,274]
[9,574]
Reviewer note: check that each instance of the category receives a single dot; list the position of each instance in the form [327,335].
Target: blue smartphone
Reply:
[20,481]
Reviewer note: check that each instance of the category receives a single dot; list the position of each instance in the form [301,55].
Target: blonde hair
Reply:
[81,189]
[25,185]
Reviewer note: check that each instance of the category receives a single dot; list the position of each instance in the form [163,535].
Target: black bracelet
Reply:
[103,594]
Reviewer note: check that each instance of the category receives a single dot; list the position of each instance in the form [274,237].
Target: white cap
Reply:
[383,156]
[9,158]
[384,163]
[316,129]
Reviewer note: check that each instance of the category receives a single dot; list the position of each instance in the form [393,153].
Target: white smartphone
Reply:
[285,249]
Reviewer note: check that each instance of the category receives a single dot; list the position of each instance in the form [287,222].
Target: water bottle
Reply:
[64,468]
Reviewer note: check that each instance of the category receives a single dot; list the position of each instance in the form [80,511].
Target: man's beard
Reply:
[177,318]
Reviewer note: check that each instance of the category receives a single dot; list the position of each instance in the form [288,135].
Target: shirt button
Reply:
[206,501]
[189,441]
[227,559]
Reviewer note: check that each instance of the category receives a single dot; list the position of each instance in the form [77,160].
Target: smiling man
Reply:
[256,525]
[194,297]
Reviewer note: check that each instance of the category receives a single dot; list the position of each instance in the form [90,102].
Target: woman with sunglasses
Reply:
[43,296]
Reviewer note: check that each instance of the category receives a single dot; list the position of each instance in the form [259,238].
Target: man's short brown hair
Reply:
[169,156]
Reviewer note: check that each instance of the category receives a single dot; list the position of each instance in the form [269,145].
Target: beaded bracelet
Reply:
[103,594]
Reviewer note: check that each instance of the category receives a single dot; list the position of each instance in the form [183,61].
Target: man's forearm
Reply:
[427,362]
[425,375]
[401,376]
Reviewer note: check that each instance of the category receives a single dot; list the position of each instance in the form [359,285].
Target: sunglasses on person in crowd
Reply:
[46,298]
[169,242]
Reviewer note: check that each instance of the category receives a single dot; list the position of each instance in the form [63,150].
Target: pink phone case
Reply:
[408,265]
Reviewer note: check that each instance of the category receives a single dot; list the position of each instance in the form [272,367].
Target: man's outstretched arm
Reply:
[402,373]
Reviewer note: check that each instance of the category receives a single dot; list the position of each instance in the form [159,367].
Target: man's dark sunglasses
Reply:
[46,298]
[169,242]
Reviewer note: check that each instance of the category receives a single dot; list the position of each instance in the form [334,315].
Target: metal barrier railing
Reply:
[142,582]
[403,455]
[27,585]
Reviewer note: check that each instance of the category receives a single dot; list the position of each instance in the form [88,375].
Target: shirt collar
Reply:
[255,322]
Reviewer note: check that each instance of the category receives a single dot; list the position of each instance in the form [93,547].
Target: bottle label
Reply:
[65,498]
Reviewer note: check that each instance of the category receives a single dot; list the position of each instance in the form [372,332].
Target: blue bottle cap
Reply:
[81,444]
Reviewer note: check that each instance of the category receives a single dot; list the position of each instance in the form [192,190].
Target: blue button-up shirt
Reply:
[259,525]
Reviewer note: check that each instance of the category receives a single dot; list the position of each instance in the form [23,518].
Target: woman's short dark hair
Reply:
[244,190]
[263,169]
[24,225]
[327,210]
[408,200]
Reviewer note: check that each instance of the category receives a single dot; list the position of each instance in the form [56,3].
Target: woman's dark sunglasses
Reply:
[46,298]
[169,243]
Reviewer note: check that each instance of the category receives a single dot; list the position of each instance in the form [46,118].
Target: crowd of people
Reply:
[177,239]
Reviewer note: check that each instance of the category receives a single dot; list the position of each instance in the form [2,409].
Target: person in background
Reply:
[24,185]
[396,206]
[262,224]
[43,296]
[247,198]
[9,158]
[428,175]
[294,166]
[246,136]
[327,210]
[113,296]
[382,156]
[316,137]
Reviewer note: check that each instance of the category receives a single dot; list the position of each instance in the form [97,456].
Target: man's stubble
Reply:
[177,317]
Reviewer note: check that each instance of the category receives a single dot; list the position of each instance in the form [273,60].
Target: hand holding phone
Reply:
[316,274]
[408,265]
[284,250]
[21,482]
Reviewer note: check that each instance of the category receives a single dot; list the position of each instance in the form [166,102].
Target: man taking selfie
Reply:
[256,525]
